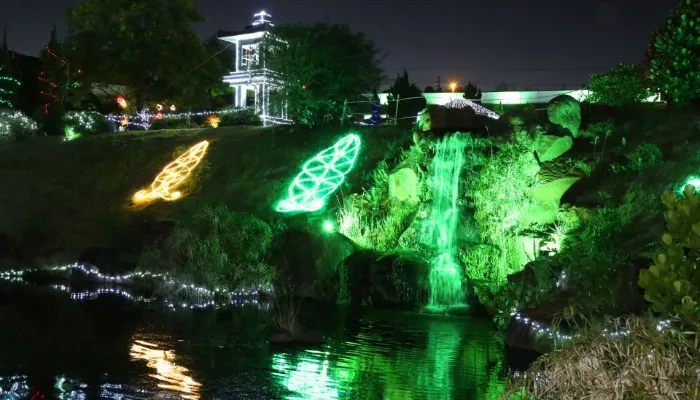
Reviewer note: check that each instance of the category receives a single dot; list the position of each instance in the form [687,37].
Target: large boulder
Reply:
[549,147]
[308,261]
[389,280]
[565,111]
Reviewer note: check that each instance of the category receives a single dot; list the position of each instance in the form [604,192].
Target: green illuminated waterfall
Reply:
[445,273]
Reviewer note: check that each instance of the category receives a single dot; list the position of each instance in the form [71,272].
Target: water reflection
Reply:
[439,360]
[173,377]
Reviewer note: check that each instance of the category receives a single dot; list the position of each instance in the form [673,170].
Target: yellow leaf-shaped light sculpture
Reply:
[173,175]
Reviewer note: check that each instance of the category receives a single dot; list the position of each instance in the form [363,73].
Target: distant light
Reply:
[328,226]
[261,18]
[453,86]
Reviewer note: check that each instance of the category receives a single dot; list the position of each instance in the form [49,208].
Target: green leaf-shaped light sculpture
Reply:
[321,176]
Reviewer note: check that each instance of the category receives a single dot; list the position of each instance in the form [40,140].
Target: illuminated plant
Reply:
[173,175]
[321,176]
[87,123]
[15,125]
[674,59]
[213,121]
[70,133]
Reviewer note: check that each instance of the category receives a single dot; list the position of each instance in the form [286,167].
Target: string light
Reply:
[464,103]
[8,88]
[321,176]
[52,88]
[217,297]
[12,121]
[173,175]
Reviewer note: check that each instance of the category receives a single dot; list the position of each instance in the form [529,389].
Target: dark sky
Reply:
[542,44]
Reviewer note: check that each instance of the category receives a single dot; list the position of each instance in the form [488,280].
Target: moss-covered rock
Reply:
[565,111]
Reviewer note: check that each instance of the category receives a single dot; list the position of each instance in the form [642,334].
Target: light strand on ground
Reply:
[321,176]
[18,275]
[540,329]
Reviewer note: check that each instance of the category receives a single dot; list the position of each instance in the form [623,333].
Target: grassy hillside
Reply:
[68,196]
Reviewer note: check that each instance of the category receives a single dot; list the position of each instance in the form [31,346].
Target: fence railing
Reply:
[348,109]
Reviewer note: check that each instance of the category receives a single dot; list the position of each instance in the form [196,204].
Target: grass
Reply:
[645,363]
[74,195]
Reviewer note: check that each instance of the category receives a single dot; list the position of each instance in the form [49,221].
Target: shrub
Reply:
[15,126]
[621,86]
[675,55]
[215,248]
[87,122]
[243,116]
[644,156]
[672,283]
[183,122]
[645,362]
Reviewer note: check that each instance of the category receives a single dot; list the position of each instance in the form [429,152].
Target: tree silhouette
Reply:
[8,81]
[410,100]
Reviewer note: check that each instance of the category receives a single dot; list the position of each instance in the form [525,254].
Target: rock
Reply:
[547,200]
[565,111]
[521,335]
[308,260]
[397,279]
[549,147]
[404,185]
[283,336]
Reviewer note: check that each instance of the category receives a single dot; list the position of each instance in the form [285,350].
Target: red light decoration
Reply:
[122,101]
[159,116]
[52,88]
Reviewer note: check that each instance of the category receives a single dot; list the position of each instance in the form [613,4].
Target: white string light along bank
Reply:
[232,297]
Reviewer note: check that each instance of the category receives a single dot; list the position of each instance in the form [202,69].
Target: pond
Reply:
[56,345]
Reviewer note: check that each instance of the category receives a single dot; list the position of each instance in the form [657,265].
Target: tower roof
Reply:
[261,22]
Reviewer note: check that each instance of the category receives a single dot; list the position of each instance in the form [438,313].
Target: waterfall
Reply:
[445,272]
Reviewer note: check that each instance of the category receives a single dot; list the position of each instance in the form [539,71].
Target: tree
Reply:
[222,60]
[321,66]
[148,46]
[623,85]
[675,58]
[471,91]
[54,81]
[410,100]
[8,79]
[429,89]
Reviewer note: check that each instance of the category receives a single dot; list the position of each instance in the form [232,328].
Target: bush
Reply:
[621,86]
[243,116]
[672,283]
[645,362]
[87,122]
[217,248]
[16,126]
[183,122]
[675,55]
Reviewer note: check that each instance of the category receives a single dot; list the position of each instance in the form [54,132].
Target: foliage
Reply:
[183,122]
[410,100]
[471,91]
[672,283]
[244,116]
[88,122]
[643,156]
[622,85]
[320,66]
[179,67]
[675,57]
[216,247]
[15,126]
[644,363]
[55,80]
[8,82]
[373,220]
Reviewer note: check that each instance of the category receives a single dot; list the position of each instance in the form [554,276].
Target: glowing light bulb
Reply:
[328,226]
[173,175]
[321,176]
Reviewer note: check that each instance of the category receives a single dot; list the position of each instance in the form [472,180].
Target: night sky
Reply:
[535,44]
